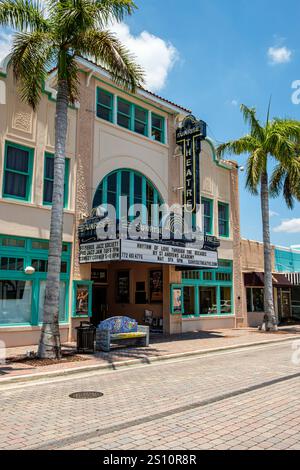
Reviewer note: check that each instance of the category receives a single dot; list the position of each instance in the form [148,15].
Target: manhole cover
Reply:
[86,395]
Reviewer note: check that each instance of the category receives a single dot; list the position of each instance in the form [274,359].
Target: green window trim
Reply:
[27,174]
[127,115]
[66,181]
[224,221]
[139,121]
[160,130]
[89,285]
[209,217]
[26,251]
[100,104]
[101,195]
[133,119]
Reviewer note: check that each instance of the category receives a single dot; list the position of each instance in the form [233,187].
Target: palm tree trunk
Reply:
[268,291]
[50,346]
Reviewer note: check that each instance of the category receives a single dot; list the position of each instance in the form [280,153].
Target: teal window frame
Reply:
[103,190]
[145,123]
[226,220]
[109,108]
[129,116]
[155,128]
[28,174]
[199,279]
[210,217]
[89,284]
[28,253]
[66,181]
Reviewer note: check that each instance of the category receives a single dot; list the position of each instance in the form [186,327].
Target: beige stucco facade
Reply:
[95,148]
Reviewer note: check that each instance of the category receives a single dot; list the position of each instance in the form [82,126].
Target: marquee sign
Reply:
[146,252]
[189,137]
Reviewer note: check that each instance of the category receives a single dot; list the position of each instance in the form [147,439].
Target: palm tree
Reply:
[275,142]
[55,36]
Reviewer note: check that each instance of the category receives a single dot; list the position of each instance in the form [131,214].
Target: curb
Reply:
[143,361]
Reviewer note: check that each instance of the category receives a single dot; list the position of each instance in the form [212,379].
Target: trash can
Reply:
[86,333]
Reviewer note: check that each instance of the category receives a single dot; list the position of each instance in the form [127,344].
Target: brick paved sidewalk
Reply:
[160,347]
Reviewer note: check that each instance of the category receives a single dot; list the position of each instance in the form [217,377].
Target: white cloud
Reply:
[156,56]
[273,214]
[5,44]
[234,103]
[279,55]
[288,226]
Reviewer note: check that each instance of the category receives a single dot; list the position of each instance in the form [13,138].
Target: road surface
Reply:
[243,399]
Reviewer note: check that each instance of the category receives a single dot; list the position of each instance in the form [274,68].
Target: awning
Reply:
[257,279]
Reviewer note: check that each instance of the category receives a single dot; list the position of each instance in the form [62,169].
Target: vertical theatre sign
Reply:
[189,137]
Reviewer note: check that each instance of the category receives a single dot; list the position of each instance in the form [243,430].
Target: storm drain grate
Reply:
[85,395]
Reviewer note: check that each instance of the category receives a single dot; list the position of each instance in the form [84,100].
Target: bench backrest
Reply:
[119,325]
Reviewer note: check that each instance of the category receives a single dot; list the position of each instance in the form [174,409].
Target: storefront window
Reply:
[189,300]
[62,301]
[15,302]
[255,299]
[208,300]
[226,306]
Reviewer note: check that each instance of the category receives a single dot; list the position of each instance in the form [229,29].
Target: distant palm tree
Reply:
[278,142]
[54,36]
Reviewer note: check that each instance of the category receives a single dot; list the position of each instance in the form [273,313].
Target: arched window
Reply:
[136,187]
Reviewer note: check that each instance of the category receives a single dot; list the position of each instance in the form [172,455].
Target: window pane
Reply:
[140,128]
[225,300]
[124,107]
[15,302]
[14,242]
[140,114]
[157,135]
[104,98]
[125,183]
[124,121]
[137,187]
[4,264]
[249,300]
[48,191]
[157,122]
[112,183]
[258,300]
[17,159]
[40,245]
[208,300]
[49,167]
[189,300]
[104,113]
[15,184]
[62,301]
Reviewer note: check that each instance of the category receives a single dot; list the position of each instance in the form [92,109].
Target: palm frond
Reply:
[246,144]
[256,166]
[113,10]
[31,55]
[104,48]
[23,15]
[256,130]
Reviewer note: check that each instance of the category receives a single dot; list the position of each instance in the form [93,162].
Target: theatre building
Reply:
[139,146]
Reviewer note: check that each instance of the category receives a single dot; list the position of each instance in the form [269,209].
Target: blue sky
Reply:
[213,55]
[224,59]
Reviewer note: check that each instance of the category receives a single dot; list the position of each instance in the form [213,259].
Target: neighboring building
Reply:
[286,282]
[118,144]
